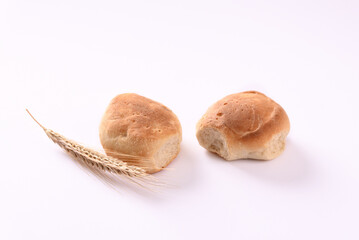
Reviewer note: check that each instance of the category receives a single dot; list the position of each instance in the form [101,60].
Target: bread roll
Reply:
[139,126]
[244,125]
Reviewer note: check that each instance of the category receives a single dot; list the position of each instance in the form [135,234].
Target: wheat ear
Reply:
[96,160]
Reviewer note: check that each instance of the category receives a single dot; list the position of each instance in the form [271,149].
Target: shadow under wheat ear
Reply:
[95,160]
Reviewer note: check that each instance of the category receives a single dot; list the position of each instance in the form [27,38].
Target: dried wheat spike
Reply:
[96,160]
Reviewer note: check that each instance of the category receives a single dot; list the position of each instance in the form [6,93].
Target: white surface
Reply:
[65,60]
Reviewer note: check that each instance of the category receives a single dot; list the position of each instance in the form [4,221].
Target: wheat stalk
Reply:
[96,161]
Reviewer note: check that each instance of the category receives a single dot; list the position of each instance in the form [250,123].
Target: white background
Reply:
[65,60]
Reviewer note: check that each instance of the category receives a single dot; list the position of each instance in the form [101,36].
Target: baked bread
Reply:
[143,128]
[244,125]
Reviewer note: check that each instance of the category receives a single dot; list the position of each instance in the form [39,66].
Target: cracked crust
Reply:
[248,122]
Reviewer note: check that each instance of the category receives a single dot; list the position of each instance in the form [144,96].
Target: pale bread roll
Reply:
[244,125]
[139,126]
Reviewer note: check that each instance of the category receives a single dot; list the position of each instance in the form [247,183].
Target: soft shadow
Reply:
[214,156]
[292,166]
[181,171]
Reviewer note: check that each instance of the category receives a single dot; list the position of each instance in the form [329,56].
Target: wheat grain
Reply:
[94,160]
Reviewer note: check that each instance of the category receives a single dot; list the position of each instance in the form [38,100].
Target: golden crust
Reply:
[136,125]
[248,120]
